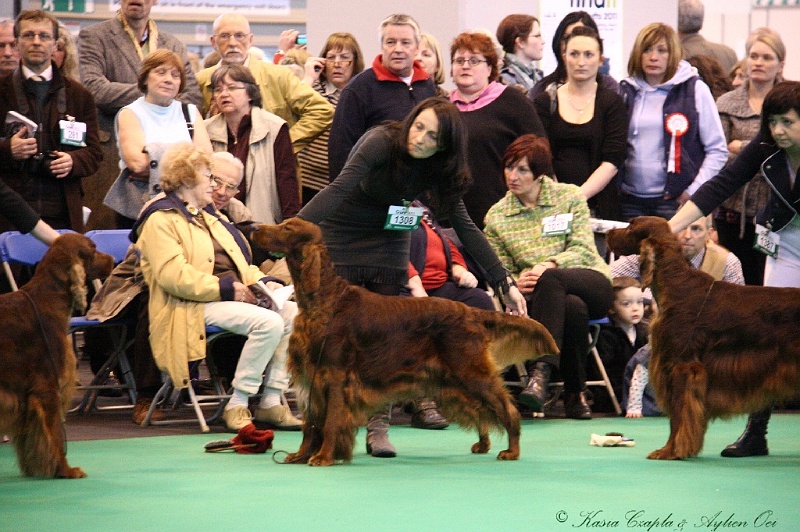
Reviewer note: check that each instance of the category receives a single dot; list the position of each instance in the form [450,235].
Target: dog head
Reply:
[74,260]
[301,242]
[627,241]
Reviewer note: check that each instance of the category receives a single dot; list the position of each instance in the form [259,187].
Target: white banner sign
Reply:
[252,7]
[607,14]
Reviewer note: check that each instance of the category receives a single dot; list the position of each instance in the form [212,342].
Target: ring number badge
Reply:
[403,218]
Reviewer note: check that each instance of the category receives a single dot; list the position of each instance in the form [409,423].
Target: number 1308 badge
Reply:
[403,218]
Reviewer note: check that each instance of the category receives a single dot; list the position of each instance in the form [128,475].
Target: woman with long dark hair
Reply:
[423,157]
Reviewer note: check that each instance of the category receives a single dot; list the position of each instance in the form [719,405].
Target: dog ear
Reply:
[77,280]
[647,262]
[311,268]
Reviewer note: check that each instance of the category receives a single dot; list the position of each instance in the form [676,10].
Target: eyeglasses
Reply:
[30,36]
[473,61]
[239,36]
[338,61]
[217,182]
[230,88]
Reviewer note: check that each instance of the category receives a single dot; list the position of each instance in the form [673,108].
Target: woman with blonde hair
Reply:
[675,138]
[740,112]
[65,56]
[430,56]
[198,269]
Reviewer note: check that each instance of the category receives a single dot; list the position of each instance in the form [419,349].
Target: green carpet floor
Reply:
[560,484]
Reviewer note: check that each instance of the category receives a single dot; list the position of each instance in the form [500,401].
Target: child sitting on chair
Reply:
[622,337]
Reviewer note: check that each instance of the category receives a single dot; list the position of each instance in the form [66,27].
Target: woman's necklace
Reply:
[589,100]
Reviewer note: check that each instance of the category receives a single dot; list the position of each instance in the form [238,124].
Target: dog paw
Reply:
[663,454]
[508,454]
[71,472]
[295,458]
[481,447]
[320,461]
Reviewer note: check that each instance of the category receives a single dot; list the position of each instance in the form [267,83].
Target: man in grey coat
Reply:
[690,22]
[111,55]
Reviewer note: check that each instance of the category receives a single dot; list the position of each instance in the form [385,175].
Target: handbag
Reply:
[128,193]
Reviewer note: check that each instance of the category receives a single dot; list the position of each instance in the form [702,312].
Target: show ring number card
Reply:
[73,133]
[767,242]
[402,218]
[560,224]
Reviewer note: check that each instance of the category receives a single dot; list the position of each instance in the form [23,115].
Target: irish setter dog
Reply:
[718,349]
[38,364]
[353,351]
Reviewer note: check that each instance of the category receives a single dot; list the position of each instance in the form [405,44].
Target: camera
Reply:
[301,39]
[39,164]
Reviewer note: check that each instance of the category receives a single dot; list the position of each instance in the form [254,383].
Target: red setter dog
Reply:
[38,374]
[353,351]
[719,349]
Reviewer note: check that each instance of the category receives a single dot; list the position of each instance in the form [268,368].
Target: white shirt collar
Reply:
[47,74]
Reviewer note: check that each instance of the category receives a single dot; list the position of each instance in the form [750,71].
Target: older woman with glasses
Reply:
[339,60]
[146,127]
[176,234]
[260,140]
[493,116]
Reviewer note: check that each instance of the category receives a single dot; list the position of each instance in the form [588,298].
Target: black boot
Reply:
[428,416]
[535,394]
[575,406]
[753,441]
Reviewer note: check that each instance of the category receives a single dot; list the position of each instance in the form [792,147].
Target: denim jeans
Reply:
[633,206]
[267,335]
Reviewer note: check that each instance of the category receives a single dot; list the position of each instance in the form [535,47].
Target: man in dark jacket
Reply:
[53,142]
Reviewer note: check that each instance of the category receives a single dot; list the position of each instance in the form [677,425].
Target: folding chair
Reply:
[167,395]
[594,334]
[114,242]
[26,250]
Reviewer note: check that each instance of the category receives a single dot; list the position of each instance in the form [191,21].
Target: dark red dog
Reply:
[719,349]
[38,364]
[353,351]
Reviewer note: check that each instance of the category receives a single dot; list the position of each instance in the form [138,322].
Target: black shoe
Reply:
[576,407]
[753,441]
[427,416]
[535,394]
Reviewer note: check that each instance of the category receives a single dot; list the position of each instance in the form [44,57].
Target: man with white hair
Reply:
[9,55]
[690,22]
[283,94]
[387,91]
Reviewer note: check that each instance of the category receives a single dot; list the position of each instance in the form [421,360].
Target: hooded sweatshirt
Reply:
[703,148]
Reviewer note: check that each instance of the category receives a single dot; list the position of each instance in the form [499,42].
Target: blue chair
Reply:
[115,242]
[23,249]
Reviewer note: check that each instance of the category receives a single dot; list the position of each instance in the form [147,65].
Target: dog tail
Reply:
[516,339]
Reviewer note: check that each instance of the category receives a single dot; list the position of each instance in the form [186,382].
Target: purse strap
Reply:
[189,124]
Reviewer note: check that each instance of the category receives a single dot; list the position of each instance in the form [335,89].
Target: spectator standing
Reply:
[690,22]
[260,140]
[282,93]
[587,126]
[387,91]
[9,56]
[111,55]
[46,168]
[493,115]
[740,112]
[675,138]
[339,60]
[521,39]
[430,57]
[563,31]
